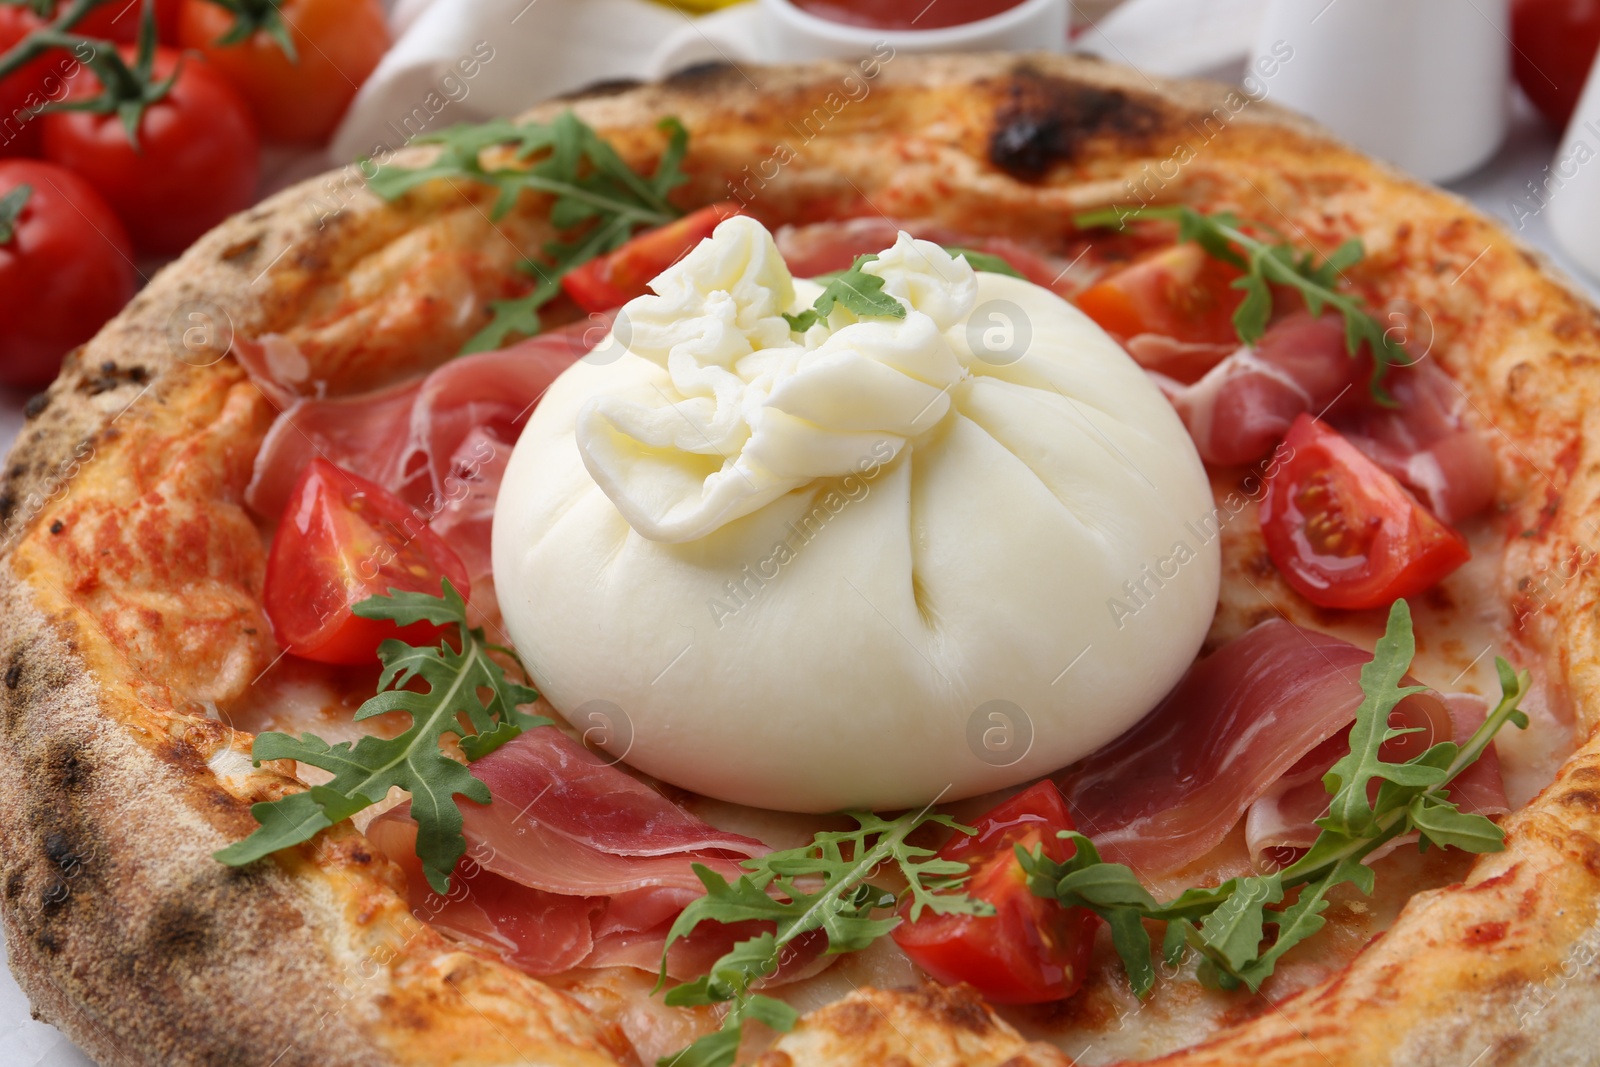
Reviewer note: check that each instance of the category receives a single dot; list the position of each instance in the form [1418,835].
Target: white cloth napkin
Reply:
[469,60]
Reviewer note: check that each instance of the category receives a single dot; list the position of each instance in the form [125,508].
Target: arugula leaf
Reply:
[858,291]
[983,261]
[463,680]
[821,886]
[1265,264]
[1227,925]
[1349,811]
[11,206]
[590,186]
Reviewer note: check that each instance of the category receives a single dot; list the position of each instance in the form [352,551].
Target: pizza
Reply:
[1221,497]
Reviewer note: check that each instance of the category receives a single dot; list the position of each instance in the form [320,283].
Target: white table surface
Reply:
[25,1042]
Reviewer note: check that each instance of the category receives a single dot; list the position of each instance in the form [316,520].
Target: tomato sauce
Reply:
[905,14]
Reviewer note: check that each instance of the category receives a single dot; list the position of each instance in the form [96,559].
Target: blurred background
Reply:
[186,111]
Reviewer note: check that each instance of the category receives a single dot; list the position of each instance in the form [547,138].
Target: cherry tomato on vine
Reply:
[196,163]
[1031,950]
[611,280]
[1344,532]
[344,539]
[336,44]
[118,20]
[19,133]
[65,268]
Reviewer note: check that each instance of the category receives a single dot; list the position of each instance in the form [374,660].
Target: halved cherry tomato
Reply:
[1344,532]
[1181,292]
[612,280]
[1032,949]
[343,539]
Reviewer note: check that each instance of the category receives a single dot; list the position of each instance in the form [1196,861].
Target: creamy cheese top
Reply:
[873,563]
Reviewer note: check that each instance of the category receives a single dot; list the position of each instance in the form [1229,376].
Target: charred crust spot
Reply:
[111,376]
[15,883]
[14,675]
[36,405]
[8,504]
[179,929]
[59,850]
[67,765]
[1044,120]
[241,253]
[57,526]
[1587,799]
[55,896]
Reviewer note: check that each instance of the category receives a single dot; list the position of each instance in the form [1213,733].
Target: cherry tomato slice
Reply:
[1180,292]
[1343,531]
[343,539]
[1032,949]
[612,280]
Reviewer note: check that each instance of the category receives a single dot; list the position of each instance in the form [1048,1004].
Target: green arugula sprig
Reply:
[464,682]
[1226,925]
[595,193]
[825,886]
[857,291]
[1265,264]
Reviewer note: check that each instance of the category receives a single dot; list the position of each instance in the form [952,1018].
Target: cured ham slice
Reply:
[1242,403]
[1282,821]
[1241,408]
[440,443]
[1426,443]
[825,247]
[1265,712]
[575,863]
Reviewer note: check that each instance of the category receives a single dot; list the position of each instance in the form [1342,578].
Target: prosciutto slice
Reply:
[441,443]
[1264,716]
[825,247]
[575,863]
[1244,405]
[1238,407]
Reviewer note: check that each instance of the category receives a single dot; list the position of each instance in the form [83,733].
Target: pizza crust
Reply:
[131,579]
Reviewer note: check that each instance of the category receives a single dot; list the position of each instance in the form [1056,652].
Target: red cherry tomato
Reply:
[66,268]
[337,44]
[19,134]
[197,161]
[612,280]
[1179,292]
[1556,42]
[343,539]
[1032,949]
[119,20]
[1344,532]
